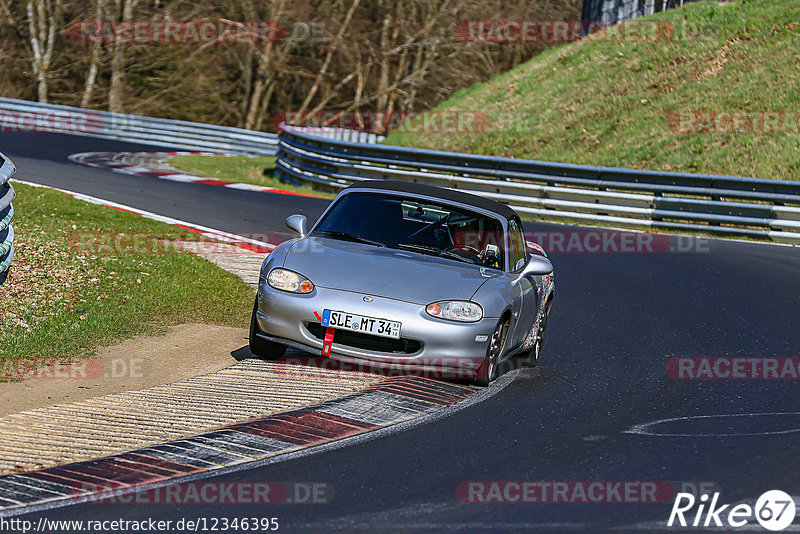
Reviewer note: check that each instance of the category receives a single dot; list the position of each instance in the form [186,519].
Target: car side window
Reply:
[517,246]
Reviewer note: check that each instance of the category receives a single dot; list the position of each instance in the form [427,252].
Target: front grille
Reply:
[358,340]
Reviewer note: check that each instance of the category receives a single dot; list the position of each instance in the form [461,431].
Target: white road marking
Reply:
[204,230]
[646,428]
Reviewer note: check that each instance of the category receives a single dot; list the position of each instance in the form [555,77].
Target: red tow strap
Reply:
[326,345]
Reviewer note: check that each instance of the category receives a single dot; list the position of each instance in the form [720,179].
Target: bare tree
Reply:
[44,19]
[118,59]
[267,55]
[94,60]
[382,55]
[337,40]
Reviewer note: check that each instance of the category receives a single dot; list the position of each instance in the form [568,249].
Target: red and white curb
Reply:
[110,161]
[387,403]
[247,243]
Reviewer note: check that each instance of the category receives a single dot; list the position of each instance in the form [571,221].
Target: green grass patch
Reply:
[86,275]
[610,102]
[244,169]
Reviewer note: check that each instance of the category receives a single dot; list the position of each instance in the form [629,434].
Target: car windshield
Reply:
[421,226]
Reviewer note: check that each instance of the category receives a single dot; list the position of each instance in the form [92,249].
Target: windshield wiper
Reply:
[437,252]
[420,248]
[455,256]
[346,236]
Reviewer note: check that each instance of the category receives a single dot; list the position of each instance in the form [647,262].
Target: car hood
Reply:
[384,272]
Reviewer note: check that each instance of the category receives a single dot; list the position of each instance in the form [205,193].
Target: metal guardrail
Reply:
[628,198]
[342,134]
[6,215]
[26,116]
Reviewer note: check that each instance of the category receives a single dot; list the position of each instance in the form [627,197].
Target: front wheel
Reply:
[269,350]
[487,372]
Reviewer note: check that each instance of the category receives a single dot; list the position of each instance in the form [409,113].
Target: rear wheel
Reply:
[263,348]
[532,359]
[487,372]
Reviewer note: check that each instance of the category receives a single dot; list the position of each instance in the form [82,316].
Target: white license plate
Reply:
[359,323]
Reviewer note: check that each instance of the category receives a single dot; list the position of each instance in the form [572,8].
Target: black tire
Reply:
[487,372]
[268,350]
[532,358]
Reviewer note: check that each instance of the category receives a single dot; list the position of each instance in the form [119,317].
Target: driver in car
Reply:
[467,238]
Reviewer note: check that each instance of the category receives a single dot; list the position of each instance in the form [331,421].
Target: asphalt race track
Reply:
[616,321]
[229,210]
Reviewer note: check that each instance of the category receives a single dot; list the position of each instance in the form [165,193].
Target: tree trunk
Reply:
[43,18]
[329,56]
[264,79]
[94,61]
[118,62]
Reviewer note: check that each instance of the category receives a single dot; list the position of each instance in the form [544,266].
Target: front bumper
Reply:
[444,346]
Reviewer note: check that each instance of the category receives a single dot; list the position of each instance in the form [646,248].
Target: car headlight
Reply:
[287,280]
[456,310]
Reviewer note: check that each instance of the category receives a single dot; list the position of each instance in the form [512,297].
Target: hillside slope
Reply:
[642,104]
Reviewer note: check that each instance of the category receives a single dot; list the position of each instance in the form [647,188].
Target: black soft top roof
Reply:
[400,186]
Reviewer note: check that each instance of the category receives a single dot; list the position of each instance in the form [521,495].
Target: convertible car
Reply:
[399,275]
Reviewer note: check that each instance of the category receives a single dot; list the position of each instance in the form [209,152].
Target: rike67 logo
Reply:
[774,510]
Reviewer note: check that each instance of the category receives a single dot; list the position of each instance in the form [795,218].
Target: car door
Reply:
[525,292]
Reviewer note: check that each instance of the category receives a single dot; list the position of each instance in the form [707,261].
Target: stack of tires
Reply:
[6,214]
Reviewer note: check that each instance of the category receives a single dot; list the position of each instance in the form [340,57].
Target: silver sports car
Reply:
[399,275]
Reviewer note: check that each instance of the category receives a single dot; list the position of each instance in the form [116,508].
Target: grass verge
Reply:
[86,275]
[245,169]
[607,102]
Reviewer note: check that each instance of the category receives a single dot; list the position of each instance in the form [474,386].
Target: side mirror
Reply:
[538,265]
[298,223]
